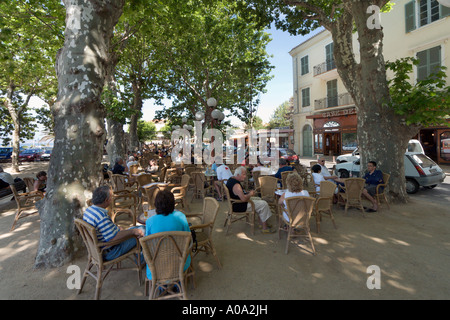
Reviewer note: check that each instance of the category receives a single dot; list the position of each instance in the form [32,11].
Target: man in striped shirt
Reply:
[97,216]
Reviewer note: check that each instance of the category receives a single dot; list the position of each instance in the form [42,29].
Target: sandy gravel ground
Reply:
[410,244]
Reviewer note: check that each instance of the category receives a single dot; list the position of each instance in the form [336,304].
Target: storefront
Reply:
[436,143]
[335,131]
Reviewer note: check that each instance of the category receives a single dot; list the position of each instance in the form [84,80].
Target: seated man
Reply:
[373,178]
[223,173]
[119,168]
[283,167]
[236,192]
[131,161]
[97,216]
[324,170]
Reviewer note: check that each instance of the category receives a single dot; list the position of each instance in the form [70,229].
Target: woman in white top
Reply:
[295,189]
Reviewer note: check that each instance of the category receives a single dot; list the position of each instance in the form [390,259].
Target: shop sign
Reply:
[338,113]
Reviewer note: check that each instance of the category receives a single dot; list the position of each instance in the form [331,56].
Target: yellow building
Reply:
[324,114]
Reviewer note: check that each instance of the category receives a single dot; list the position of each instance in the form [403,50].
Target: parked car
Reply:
[5,154]
[30,155]
[46,155]
[420,170]
[289,155]
[413,146]
[348,157]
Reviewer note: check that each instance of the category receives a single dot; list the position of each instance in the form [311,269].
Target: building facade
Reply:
[324,113]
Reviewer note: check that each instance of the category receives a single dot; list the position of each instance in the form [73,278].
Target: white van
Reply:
[413,146]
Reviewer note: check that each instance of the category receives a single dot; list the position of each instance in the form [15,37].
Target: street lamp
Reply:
[217,117]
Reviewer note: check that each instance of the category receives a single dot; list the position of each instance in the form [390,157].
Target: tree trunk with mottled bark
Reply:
[74,170]
[382,135]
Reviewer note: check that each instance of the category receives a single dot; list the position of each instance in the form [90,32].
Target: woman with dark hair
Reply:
[317,176]
[166,219]
[40,183]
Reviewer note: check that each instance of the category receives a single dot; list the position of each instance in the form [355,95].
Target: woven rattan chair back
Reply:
[133,169]
[29,182]
[354,188]
[165,254]
[256,174]
[268,186]
[299,210]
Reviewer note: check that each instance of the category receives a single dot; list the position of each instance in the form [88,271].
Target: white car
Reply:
[46,155]
[419,171]
[413,146]
[348,157]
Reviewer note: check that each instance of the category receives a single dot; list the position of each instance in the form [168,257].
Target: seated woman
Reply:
[40,183]
[152,166]
[166,219]
[295,189]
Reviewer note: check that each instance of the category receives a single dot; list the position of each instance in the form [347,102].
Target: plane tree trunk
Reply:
[74,169]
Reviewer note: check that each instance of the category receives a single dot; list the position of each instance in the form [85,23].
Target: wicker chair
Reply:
[234,216]
[24,201]
[150,195]
[180,193]
[165,254]
[381,190]
[119,183]
[204,237]
[199,180]
[95,256]
[256,174]
[29,182]
[299,210]
[133,169]
[124,202]
[324,203]
[284,175]
[351,197]
[143,179]
[162,174]
[268,186]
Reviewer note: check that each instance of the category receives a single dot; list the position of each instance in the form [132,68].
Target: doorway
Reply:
[428,139]
[331,143]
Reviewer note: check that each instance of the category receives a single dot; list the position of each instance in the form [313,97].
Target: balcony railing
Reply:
[324,67]
[333,101]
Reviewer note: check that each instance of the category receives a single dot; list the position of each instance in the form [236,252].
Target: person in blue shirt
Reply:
[97,216]
[166,219]
[283,167]
[373,178]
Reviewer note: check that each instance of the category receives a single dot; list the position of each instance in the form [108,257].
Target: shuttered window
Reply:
[306,101]
[410,16]
[304,65]
[429,62]
[419,13]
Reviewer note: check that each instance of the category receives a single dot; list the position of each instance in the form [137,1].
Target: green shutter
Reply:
[445,11]
[305,98]
[410,16]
